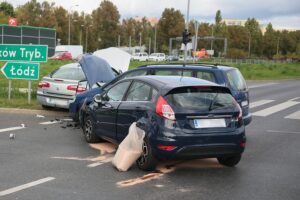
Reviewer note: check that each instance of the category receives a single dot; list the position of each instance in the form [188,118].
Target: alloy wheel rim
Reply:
[88,129]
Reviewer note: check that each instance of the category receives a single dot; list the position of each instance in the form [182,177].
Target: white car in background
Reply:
[157,57]
[140,57]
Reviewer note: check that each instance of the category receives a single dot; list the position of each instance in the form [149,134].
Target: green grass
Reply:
[250,72]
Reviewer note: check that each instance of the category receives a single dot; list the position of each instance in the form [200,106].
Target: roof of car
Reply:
[190,66]
[174,81]
[71,65]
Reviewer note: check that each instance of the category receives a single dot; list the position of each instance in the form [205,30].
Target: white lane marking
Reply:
[295,115]
[261,85]
[100,163]
[25,186]
[260,103]
[49,122]
[271,110]
[294,99]
[12,128]
[292,132]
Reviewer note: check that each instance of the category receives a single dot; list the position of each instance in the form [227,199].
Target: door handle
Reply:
[108,106]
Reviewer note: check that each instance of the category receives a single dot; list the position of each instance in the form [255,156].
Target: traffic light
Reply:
[186,37]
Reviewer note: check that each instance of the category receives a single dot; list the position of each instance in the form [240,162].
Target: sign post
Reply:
[17,68]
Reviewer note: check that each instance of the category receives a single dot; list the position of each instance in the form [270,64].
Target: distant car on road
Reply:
[63,55]
[183,118]
[140,56]
[59,88]
[157,57]
[222,75]
[172,58]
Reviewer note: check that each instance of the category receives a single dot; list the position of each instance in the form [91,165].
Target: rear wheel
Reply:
[89,132]
[147,161]
[230,161]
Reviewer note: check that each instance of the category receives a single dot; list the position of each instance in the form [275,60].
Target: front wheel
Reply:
[230,161]
[147,161]
[89,132]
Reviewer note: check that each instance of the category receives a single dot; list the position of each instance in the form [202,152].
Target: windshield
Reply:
[236,80]
[72,72]
[193,98]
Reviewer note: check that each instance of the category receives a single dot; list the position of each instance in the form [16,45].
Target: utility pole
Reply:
[249,45]
[130,44]
[149,51]
[119,40]
[187,28]
[155,32]
[140,42]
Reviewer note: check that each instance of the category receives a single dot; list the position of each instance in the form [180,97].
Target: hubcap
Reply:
[88,129]
[144,156]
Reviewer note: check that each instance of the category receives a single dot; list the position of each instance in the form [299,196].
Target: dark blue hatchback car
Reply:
[183,118]
[222,75]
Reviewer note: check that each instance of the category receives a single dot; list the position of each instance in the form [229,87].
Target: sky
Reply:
[281,13]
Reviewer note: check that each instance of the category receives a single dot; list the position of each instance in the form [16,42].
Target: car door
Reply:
[106,111]
[136,105]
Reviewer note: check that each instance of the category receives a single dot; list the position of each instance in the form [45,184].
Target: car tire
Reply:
[46,107]
[230,161]
[88,131]
[147,161]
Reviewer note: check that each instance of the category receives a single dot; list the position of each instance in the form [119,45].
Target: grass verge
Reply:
[278,71]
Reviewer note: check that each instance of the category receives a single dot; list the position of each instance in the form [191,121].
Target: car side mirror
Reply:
[98,98]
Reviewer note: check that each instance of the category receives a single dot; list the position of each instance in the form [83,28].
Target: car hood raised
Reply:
[116,57]
[96,69]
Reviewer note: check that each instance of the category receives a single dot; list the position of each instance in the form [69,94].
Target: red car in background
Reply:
[63,55]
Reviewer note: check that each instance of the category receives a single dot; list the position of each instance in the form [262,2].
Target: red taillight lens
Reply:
[43,85]
[243,144]
[166,148]
[75,88]
[240,116]
[163,109]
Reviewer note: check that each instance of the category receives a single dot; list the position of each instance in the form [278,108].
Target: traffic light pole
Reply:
[187,28]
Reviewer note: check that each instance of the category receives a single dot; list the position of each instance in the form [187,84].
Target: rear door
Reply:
[106,111]
[239,89]
[203,110]
[136,105]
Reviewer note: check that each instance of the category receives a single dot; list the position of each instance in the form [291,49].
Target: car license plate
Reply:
[209,123]
[244,103]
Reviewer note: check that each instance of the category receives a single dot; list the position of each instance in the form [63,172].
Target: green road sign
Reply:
[32,53]
[18,70]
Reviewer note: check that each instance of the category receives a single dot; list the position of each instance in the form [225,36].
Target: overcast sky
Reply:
[281,13]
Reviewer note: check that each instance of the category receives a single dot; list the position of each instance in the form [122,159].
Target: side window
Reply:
[167,72]
[206,76]
[134,74]
[187,73]
[117,92]
[139,91]
[154,93]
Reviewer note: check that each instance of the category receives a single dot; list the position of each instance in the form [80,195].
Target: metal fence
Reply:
[248,61]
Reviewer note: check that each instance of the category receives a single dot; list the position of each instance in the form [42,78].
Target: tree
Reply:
[7,9]
[61,26]
[218,18]
[270,40]
[29,13]
[255,35]
[170,25]
[105,25]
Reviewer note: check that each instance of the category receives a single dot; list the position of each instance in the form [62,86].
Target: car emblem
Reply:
[57,89]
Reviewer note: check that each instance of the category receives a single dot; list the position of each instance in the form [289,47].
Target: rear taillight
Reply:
[43,85]
[75,88]
[166,147]
[239,118]
[163,109]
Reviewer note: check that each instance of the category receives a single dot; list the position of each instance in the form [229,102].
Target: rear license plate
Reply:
[209,123]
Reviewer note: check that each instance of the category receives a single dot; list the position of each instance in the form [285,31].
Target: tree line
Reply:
[104,28]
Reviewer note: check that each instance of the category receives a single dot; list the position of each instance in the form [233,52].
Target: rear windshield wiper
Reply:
[213,101]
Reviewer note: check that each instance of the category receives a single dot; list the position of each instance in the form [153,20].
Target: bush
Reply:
[236,53]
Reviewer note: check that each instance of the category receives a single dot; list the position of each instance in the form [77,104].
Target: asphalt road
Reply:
[52,160]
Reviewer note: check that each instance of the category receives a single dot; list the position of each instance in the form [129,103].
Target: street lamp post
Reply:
[86,37]
[277,51]
[80,38]
[69,36]
[155,32]
[249,45]
[187,28]
[140,42]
